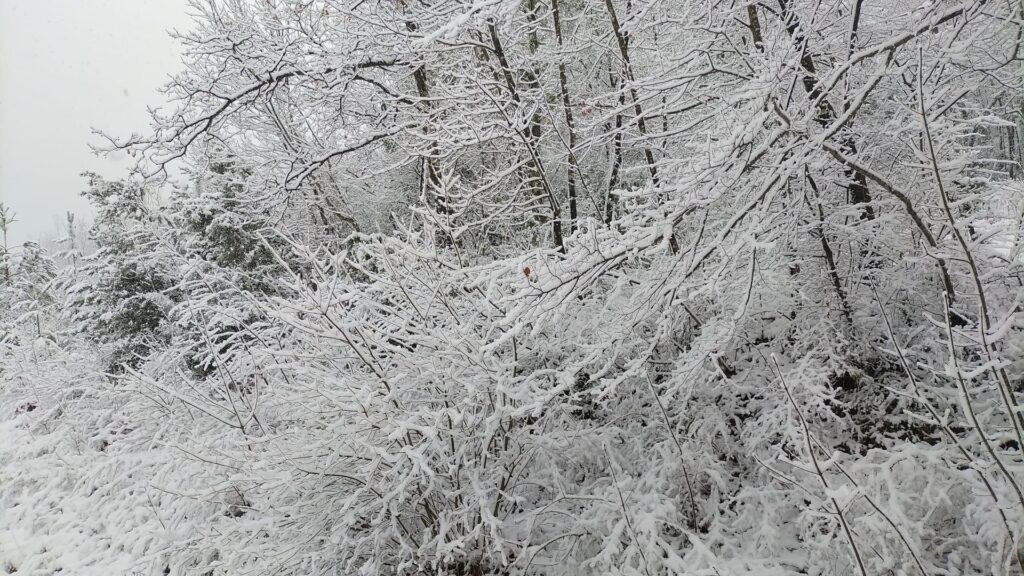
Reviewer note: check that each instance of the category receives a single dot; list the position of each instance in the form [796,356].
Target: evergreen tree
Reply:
[126,293]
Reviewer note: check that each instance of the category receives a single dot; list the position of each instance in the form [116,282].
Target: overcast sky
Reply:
[67,66]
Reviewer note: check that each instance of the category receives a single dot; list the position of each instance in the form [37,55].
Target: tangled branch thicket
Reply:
[540,287]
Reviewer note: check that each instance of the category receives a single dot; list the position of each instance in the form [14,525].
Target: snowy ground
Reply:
[57,513]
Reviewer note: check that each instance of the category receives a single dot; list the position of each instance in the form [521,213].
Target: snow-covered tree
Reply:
[567,287]
[122,294]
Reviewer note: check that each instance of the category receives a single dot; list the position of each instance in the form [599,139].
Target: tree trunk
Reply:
[527,135]
[569,122]
[858,187]
[630,80]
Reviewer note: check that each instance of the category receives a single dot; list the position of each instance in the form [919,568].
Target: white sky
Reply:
[67,66]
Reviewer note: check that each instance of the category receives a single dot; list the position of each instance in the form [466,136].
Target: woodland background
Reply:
[543,287]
